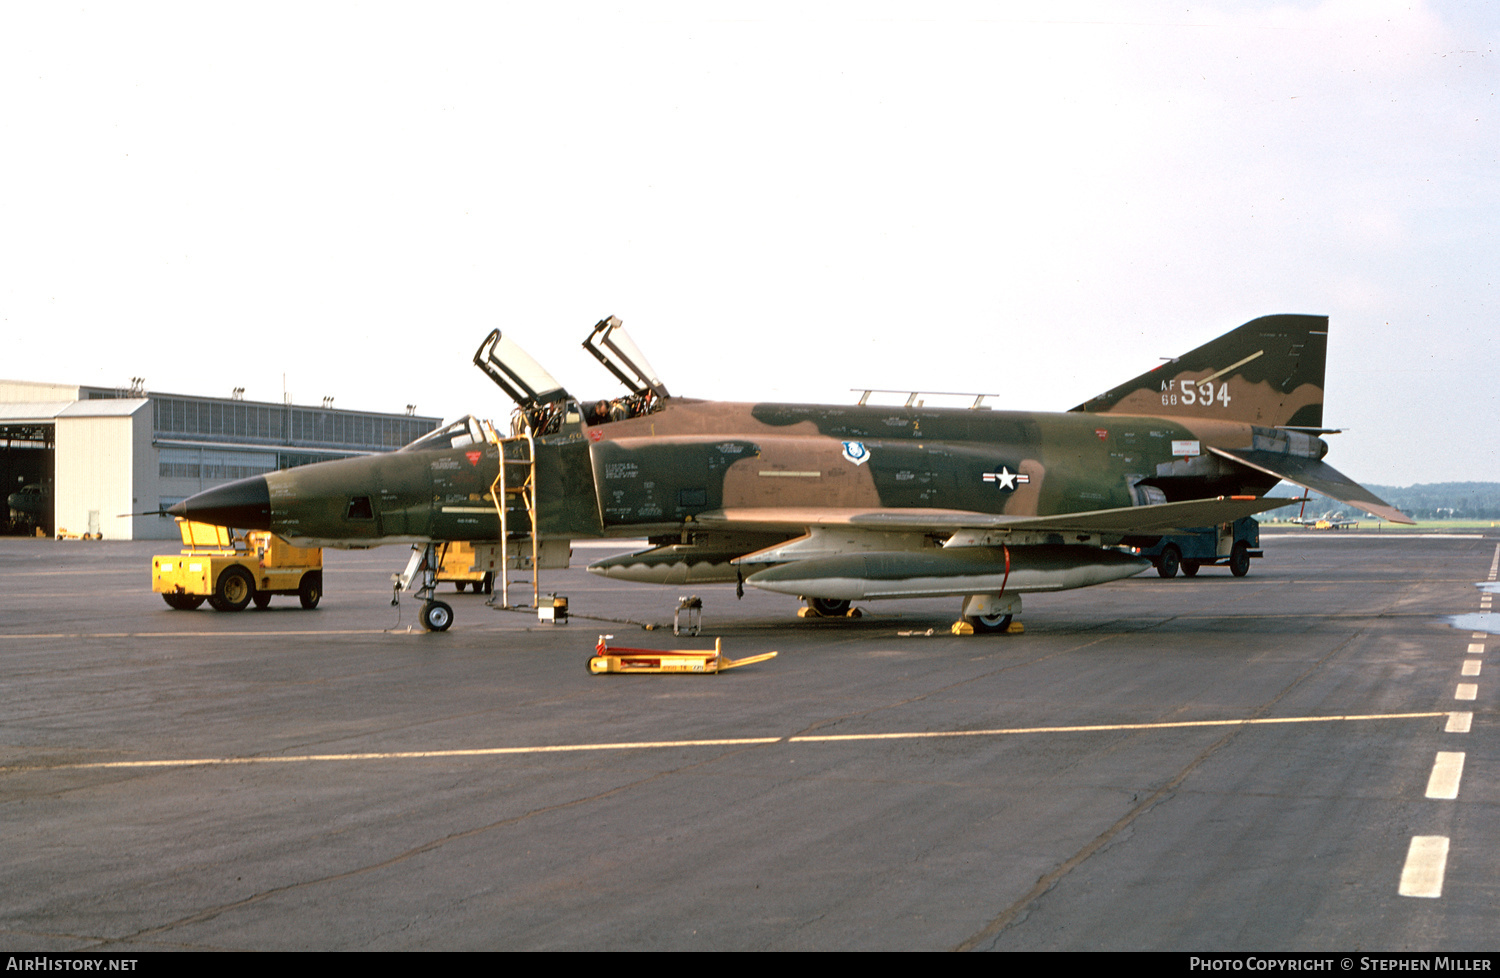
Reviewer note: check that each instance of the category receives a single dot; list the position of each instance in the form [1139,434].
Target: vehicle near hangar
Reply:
[831,503]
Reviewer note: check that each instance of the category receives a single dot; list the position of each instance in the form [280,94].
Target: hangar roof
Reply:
[35,412]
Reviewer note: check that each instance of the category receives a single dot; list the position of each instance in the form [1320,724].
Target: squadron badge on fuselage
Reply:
[856,452]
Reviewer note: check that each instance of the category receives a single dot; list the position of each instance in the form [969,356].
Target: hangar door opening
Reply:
[28,467]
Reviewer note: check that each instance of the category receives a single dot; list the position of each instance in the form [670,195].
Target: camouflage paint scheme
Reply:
[711,483]
[1190,430]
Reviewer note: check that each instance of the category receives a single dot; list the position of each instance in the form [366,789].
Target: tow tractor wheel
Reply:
[262,600]
[310,590]
[1169,561]
[458,586]
[1190,568]
[829,607]
[233,590]
[436,616]
[1239,559]
[183,602]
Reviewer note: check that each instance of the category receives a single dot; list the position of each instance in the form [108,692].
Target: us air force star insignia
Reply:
[1006,478]
[856,452]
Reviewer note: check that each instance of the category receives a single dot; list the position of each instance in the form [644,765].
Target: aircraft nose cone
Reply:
[244,504]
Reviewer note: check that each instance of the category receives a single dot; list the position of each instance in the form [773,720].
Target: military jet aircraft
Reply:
[834,504]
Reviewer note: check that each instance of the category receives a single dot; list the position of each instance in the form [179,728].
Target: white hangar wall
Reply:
[114,453]
[103,470]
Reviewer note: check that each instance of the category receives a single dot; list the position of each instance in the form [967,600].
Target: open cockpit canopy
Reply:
[514,371]
[612,347]
[543,406]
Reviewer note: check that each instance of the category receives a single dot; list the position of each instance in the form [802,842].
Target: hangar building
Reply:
[95,454]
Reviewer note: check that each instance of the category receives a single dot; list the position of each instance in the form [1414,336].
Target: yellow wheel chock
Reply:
[658,661]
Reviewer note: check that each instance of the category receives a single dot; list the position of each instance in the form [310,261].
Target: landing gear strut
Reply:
[421,571]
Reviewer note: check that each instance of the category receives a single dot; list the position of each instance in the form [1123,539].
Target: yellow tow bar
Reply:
[657,661]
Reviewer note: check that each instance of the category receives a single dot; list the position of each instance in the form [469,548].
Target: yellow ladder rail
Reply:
[499,489]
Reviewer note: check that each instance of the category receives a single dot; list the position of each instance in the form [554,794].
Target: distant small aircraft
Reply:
[1331,520]
[832,503]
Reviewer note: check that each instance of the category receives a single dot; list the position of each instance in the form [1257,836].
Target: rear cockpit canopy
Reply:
[617,351]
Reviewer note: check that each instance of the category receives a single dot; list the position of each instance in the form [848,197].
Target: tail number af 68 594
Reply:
[1189,392]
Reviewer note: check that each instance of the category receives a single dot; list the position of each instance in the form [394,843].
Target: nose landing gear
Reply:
[421,570]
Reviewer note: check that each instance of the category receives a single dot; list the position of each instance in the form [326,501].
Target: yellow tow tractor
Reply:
[230,571]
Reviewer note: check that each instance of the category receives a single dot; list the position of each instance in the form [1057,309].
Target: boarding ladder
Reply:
[515,488]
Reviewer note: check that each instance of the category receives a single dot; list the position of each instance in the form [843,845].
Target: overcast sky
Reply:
[781,200]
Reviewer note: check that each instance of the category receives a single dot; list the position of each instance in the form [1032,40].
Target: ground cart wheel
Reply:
[1239,559]
[310,591]
[233,591]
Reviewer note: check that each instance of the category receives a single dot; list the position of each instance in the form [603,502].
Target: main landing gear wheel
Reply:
[1190,568]
[233,591]
[989,624]
[1239,559]
[183,602]
[1169,561]
[828,607]
[310,591]
[436,616]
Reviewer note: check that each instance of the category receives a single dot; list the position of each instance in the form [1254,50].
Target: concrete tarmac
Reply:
[1198,765]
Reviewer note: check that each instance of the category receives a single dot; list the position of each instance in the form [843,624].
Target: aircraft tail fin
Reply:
[1268,372]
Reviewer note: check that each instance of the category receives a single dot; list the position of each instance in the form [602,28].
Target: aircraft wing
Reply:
[1319,476]
[1159,518]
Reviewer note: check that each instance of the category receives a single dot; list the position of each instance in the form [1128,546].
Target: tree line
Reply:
[1427,501]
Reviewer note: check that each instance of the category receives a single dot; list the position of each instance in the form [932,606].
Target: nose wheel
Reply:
[436,616]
